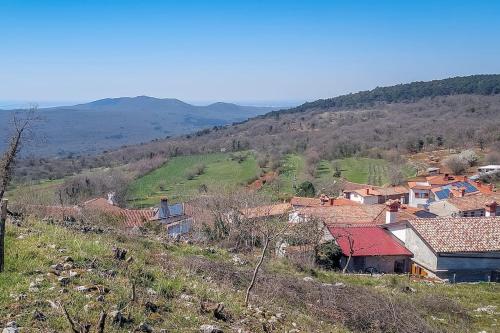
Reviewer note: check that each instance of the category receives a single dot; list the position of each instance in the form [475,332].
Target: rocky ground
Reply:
[61,279]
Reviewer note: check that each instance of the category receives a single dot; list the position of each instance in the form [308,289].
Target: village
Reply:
[436,227]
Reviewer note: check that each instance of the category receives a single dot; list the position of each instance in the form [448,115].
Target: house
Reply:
[276,210]
[436,188]
[453,249]
[466,206]
[433,171]
[359,214]
[379,195]
[173,217]
[488,169]
[370,249]
[348,188]
[323,200]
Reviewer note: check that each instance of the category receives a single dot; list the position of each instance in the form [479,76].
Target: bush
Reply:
[197,170]
[456,164]
[306,189]
[328,255]
[469,156]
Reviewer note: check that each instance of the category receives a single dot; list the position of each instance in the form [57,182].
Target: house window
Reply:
[417,195]
[425,195]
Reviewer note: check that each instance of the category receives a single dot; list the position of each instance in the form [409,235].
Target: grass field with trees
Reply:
[183,177]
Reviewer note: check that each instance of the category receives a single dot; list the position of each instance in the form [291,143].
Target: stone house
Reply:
[452,249]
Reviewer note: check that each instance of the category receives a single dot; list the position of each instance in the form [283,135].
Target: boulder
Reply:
[210,329]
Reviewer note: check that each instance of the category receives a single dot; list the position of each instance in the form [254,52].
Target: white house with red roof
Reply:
[442,187]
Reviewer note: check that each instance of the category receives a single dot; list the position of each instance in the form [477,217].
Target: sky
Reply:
[272,52]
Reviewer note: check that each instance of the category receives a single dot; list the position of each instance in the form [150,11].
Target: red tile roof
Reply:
[316,202]
[368,241]
[266,211]
[473,202]
[102,205]
[137,217]
[356,215]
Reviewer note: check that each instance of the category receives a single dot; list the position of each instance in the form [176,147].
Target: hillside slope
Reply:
[114,122]
[333,132]
[410,92]
[178,288]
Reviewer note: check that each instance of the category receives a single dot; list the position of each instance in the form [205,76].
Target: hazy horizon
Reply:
[245,52]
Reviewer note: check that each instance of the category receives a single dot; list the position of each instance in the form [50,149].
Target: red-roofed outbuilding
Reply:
[371,248]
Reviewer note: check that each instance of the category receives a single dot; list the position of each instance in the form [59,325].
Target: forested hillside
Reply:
[328,132]
[410,92]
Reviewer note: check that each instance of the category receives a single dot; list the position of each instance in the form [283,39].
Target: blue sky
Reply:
[253,52]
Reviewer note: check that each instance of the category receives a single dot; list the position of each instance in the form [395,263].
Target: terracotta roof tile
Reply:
[266,211]
[473,202]
[316,202]
[473,234]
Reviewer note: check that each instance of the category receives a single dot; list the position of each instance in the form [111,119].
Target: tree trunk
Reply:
[8,160]
[346,264]
[256,271]
[3,218]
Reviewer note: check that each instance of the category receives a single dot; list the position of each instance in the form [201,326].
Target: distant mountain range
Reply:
[113,122]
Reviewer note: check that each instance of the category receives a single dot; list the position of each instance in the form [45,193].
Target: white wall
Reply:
[415,202]
[365,200]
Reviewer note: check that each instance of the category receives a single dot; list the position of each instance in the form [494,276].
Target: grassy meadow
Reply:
[172,180]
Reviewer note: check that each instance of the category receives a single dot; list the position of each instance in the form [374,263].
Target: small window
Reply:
[425,195]
[417,195]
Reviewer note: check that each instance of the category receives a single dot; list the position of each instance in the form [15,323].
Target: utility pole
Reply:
[3,218]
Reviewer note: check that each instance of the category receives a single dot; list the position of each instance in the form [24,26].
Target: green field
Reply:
[354,169]
[364,170]
[42,192]
[170,180]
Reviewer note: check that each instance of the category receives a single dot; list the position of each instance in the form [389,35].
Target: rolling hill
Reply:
[451,113]
[113,122]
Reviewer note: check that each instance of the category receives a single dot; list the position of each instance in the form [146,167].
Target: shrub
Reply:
[469,156]
[328,255]
[456,164]
[306,189]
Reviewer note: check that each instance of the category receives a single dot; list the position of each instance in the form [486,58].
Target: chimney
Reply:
[446,175]
[392,211]
[331,201]
[164,211]
[491,209]
[367,191]
[111,198]
[462,192]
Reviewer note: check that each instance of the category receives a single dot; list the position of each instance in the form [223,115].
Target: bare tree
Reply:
[395,175]
[271,227]
[21,126]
